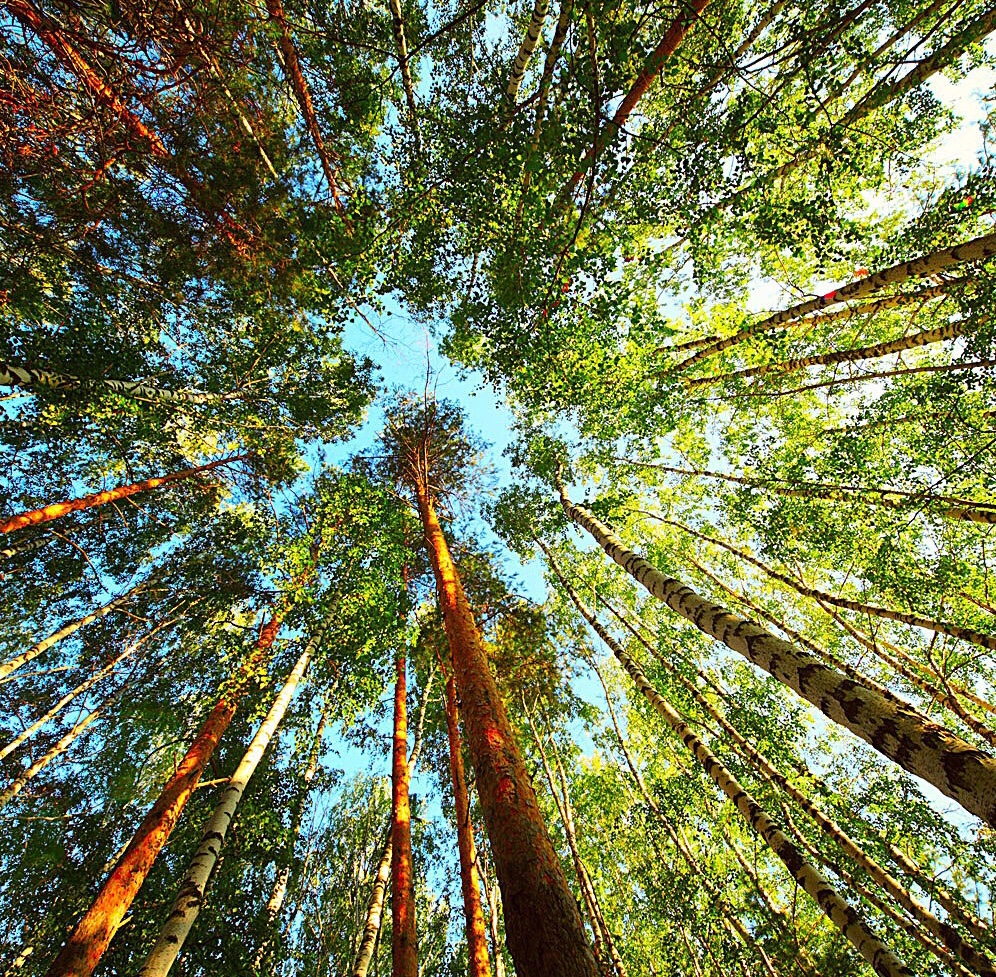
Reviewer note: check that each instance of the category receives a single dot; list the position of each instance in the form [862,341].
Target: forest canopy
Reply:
[692,676]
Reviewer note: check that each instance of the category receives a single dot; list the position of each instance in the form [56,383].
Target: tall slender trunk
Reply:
[375,908]
[57,510]
[852,848]
[669,43]
[930,751]
[95,930]
[494,910]
[552,54]
[190,897]
[56,750]
[404,946]
[977,249]
[526,48]
[401,45]
[562,801]
[13,664]
[950,330]
[477,939]
[879,96]
[74,694]
[954,508]
[12,375]
[888,613]
[279,891]
[543,927]
[837,910]
[292,70]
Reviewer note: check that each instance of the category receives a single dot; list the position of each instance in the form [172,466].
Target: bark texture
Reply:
[190,898]
[404,945]
[526,48]
[95,930]
[12,375]
[543,927]
[925,749]
[477,937]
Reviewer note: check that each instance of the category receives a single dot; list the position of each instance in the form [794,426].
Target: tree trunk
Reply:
[58,509]
[673,37]
[404,946]
[279,892]
[375,908]
[526,48]
[55,751]
[853,849]
[53,37]
[73,695]
[879,96]
[96,928]
[544,931]
[843,916]
[30,378]
[13,664]
[190,897]
[477,938]
[401,44]
[950,330]
[955,508]
[913,620]
[566,811]
[930,751]
[28,546]
[977,249]
[292,70]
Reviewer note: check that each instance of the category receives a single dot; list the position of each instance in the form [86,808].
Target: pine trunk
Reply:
[404,946]
[29,17]
[95,930]
[57,510]
[477,938]
[927,750]
[543,928]
[190,898]
[669,43]
[292,69]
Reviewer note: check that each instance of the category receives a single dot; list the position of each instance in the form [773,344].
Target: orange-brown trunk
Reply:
[674,35]
[58,509]
[543,927]
[477,940]
[29,16]
[404,949]
[94,932]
